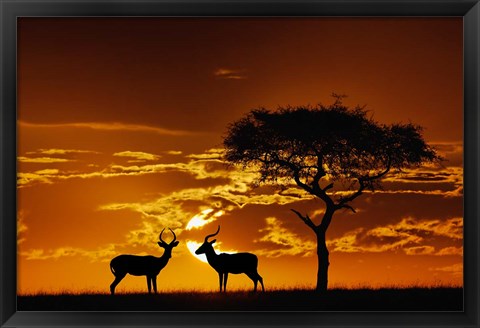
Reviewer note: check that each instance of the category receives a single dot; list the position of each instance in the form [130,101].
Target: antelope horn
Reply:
[174,236]
[160,236]
[212,235]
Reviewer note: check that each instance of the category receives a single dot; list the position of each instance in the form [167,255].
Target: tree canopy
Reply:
[319,146]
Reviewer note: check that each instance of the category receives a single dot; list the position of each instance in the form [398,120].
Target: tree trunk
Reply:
[322,251]
[323,263]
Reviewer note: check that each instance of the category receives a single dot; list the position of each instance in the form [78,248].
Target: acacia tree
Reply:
[333,152]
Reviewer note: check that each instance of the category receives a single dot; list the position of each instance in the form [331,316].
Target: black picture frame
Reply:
[10,10]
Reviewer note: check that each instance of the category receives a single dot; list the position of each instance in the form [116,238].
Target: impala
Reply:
[230,263]
[149,266]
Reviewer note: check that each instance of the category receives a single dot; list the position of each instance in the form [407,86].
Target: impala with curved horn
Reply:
[149,266]
[230,263]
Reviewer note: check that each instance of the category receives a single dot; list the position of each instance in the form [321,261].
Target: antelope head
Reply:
[207,245]
[168,246]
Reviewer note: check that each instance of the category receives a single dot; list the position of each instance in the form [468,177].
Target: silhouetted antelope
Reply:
[149,266]
[230,263]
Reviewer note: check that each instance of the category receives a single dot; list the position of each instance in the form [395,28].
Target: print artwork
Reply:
[240,164]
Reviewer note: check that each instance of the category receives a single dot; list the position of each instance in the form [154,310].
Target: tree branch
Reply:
[314,190]
[349,207]
[320,171]
[330,186]
[341,203]
[306,219]
[296,175]
[381,174]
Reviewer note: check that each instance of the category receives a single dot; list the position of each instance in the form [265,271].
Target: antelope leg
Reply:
[225,282]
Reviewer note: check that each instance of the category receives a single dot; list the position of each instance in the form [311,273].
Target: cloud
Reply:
[409,235]
[451,228]
[234,188]
[199,169]
[169,210]
[41,176]
[213,153]
[374,241]
[112,171]
[454,269]
[457,192]
[112,126]
[43,160]
[204,156]
[426,180]
[147,236]
[158,214]
[209,165]
[54,151]
[103,254]
[148,233]
[230,74]
[446,148]
[448,179]
[428,174]
[174,152]
[30,178]
[165,212]
[419,250]
[138,155]
[21,227]
[283,241]
[47,172]
[450,251]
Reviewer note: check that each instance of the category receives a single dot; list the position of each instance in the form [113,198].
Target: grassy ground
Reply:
[387,299]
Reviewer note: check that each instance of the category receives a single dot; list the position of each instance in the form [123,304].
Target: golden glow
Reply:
[199,220]
[203,218]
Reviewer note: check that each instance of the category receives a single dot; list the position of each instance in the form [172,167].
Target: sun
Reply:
[192,247]
[203,218]
[199,220]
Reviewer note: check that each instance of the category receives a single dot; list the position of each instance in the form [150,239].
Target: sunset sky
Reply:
[120,130]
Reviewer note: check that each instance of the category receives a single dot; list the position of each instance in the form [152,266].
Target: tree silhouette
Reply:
[323,149]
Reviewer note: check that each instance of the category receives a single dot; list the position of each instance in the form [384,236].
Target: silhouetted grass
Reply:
[366,299]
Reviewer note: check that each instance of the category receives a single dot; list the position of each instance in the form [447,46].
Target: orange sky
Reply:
[120,125]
